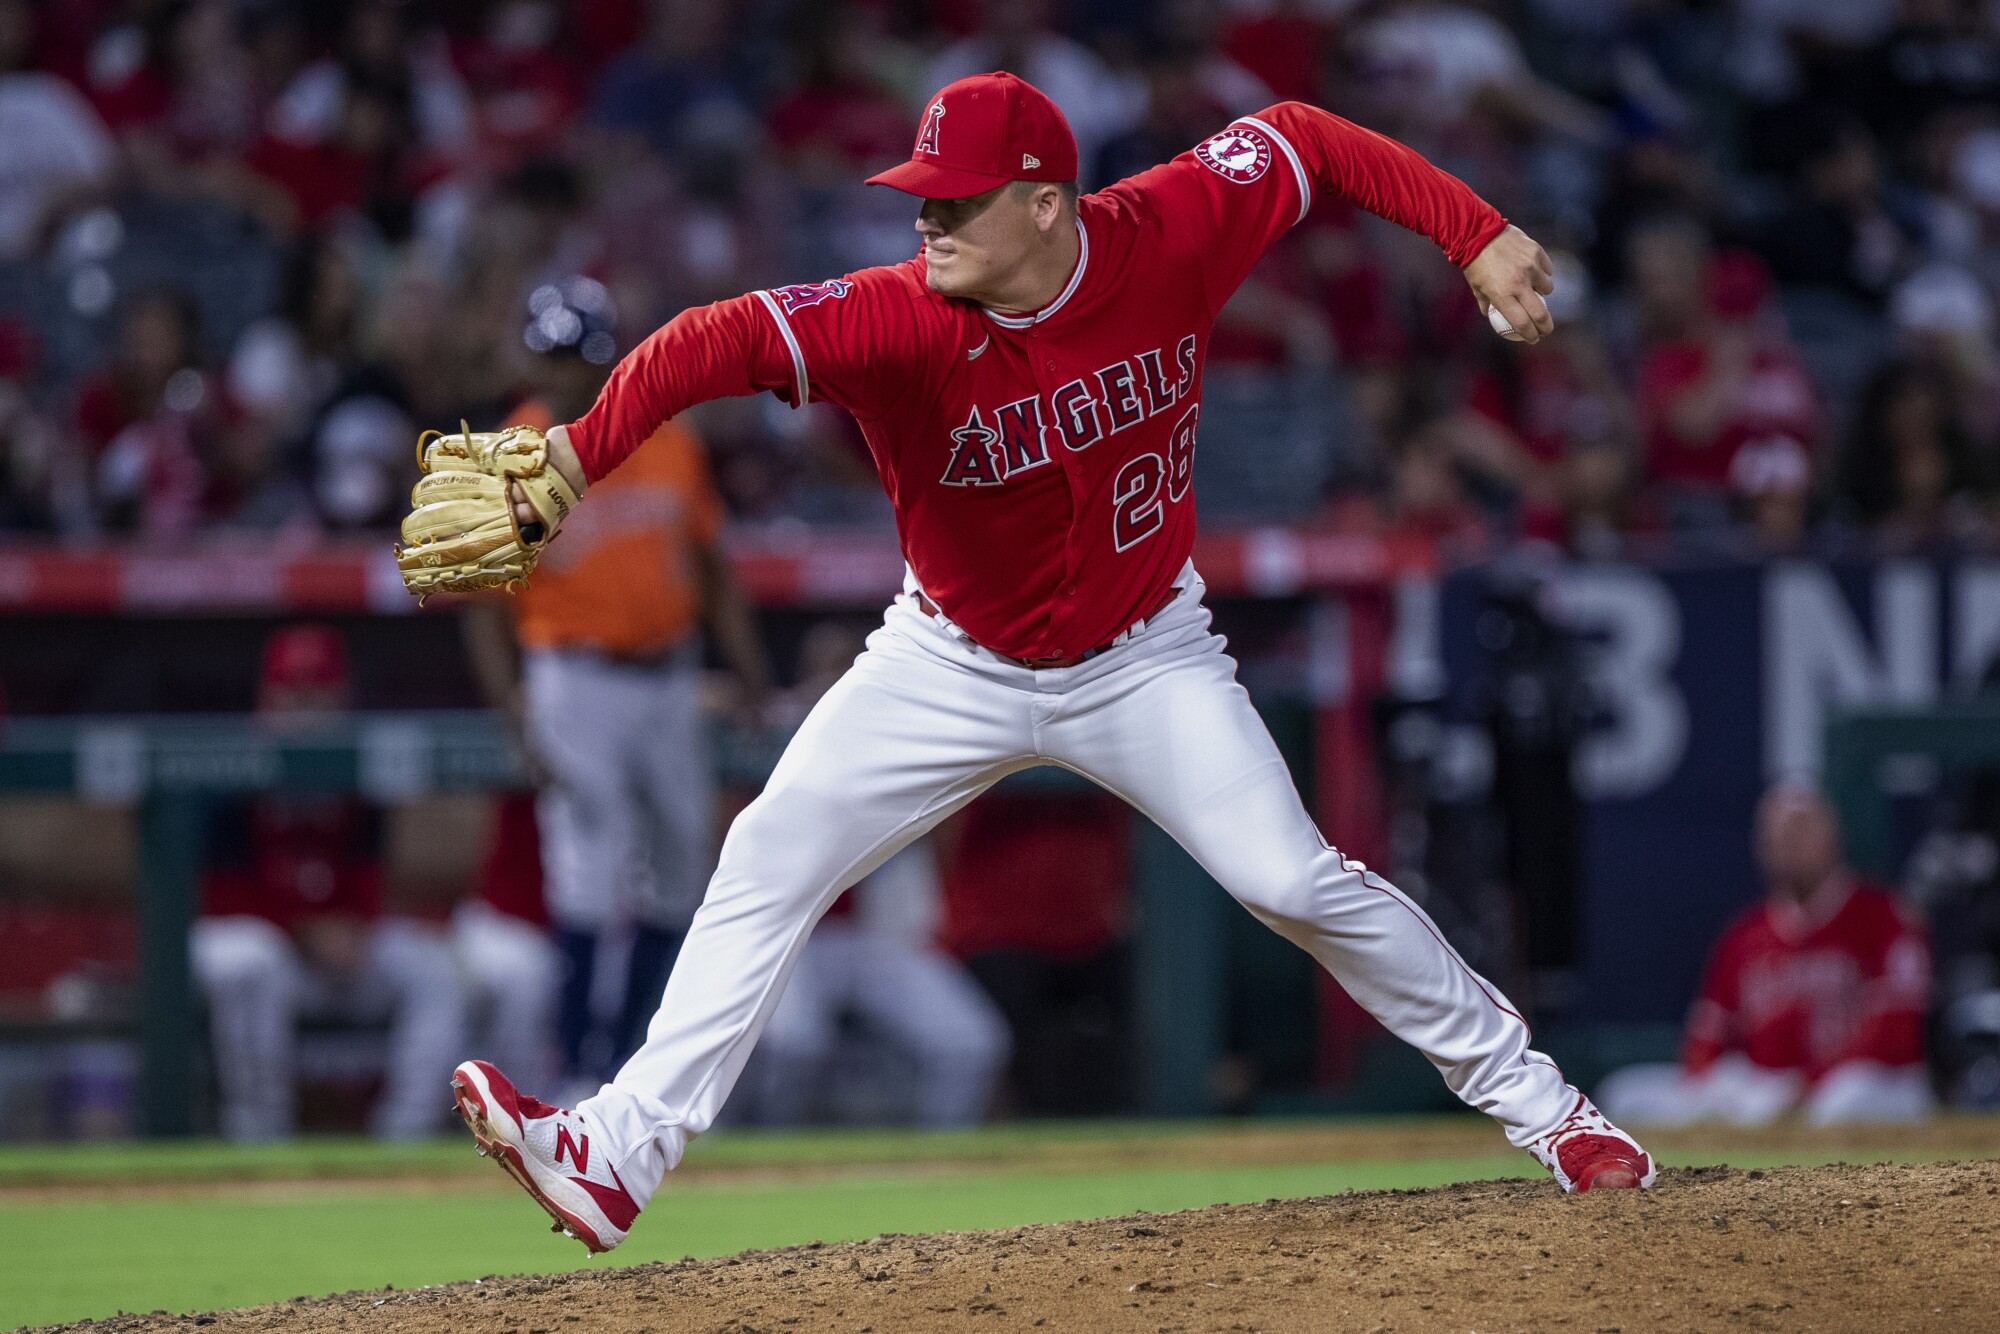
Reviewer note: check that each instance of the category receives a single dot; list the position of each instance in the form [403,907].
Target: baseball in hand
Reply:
[1500,324]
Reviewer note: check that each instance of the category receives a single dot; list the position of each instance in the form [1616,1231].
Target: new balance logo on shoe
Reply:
[579,1150]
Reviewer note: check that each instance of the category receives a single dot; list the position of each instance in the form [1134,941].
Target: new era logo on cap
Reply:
[994,122]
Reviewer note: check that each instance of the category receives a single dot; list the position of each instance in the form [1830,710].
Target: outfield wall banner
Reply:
[1708,683]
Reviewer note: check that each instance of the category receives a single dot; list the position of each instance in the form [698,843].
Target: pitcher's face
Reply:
[971,245]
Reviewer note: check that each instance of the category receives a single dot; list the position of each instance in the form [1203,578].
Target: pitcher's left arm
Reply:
[1231,197]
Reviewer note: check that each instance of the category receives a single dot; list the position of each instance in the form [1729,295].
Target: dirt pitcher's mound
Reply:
[1825,1248]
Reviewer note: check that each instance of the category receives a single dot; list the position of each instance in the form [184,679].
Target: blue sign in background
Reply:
[1666,859]
[1663,873]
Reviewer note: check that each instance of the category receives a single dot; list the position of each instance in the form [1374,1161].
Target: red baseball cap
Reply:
[981,132]
[304,657]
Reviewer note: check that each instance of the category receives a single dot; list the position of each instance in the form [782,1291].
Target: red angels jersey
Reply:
[292,859]
[1806,987]
[1041,464]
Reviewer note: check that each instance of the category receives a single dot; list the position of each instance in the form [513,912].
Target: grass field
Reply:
[95,1230]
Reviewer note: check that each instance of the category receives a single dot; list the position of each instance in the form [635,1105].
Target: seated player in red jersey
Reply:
[1813,1001]
[292,924]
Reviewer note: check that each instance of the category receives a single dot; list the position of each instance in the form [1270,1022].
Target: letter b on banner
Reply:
[1631,629]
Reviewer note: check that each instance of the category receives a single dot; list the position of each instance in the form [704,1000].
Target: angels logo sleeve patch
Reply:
[1238,154]
[1228,199]
[1244,152]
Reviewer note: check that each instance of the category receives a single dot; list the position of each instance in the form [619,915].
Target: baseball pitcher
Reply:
[1030,386]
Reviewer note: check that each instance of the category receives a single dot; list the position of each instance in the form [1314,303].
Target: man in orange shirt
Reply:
[599,666]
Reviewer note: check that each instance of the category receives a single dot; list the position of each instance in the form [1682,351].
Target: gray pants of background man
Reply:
[258,987]
[633,787]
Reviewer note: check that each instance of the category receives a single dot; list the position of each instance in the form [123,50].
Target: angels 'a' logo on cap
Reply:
[927,137]
[1240,154]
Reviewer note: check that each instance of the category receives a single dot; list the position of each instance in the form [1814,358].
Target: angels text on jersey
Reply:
[996,444]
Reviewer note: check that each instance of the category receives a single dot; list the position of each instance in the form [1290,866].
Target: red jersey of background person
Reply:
[1039,873]
[1040,465]
[1772,396]
[510,879]
[1844,977]
[291,858]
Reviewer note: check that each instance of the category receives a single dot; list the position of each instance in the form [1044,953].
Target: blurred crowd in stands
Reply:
[249,247]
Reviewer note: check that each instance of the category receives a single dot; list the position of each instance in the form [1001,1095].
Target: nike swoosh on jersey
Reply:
[973,355]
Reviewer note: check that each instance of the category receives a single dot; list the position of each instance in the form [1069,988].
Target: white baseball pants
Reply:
[258,988]
[925,721]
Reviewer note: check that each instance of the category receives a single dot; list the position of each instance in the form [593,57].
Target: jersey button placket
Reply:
[1075,543]
[1071,465]
[1045,383]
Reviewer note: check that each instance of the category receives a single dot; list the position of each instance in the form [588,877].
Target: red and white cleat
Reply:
[556,1155]
[1587,1152]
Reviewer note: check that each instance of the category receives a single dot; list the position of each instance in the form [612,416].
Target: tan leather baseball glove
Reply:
[460,535]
